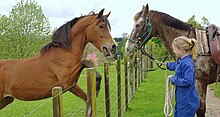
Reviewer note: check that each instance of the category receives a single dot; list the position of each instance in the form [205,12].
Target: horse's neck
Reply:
[65,57]
[61,57]
[78,45]
[167,34]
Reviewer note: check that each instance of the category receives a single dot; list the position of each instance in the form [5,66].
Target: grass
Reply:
[148,100]
[215,87]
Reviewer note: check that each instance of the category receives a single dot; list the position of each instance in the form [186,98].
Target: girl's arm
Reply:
[171,66]
[186,79]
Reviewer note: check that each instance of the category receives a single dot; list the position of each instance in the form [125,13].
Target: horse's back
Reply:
[5,66]
[19,78]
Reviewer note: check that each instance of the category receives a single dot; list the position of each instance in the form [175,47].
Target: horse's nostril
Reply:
[114,48]
[127,50]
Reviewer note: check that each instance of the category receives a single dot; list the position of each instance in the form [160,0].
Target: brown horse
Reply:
[157,24]
[59,62]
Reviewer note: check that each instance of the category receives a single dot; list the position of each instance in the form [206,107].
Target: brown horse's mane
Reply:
[169,20]
[61,37]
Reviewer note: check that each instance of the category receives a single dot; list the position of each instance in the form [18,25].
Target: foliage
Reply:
[194,23]
[121,48]
[20,48]
[118,39]
[205,22]
[158,49]
[27,20]
[4,23]
[24,32]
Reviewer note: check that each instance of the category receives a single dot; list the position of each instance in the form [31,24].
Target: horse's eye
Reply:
[101,26]
[137,26]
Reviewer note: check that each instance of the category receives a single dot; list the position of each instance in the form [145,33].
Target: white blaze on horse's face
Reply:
[134,34]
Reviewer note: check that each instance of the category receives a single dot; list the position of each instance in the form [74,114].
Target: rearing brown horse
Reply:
[158,24]
[59,63]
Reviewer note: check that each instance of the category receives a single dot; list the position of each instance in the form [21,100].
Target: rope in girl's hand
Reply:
[168,108]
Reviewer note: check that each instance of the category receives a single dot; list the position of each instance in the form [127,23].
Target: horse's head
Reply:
[98,33]
[141,30]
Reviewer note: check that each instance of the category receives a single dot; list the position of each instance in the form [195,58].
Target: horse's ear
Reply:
[108,14]
[143,7]
[147,8]
[143,11]
[101,13]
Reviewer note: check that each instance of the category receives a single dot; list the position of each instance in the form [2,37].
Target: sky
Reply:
[122,11]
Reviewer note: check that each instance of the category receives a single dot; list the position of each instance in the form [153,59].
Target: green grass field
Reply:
[216,88]
[148,100]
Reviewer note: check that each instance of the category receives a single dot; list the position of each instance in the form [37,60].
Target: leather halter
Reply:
[138,41]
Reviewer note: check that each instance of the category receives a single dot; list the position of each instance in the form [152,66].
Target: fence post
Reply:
[57,102]
[151,54]
[135,70]
[144,64]
[126,81]
[139,68]
[131,77]
[91,92]
[107,97]
[119,84]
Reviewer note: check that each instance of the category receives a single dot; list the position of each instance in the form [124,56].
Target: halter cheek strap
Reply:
[140,44]
[148,33]
[137,41]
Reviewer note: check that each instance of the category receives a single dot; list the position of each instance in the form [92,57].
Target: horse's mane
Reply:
[61,37]
[168,20]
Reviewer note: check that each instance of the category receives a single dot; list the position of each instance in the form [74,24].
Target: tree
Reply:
[27,20]
[3,24]
[125,35]
[194,23]
[23,31]
[205,22]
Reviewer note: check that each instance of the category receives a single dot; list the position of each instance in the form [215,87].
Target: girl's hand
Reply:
[170,76]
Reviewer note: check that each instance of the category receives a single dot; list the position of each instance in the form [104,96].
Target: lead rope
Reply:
[168,108]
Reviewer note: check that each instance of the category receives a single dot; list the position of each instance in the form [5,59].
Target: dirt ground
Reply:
[212,104]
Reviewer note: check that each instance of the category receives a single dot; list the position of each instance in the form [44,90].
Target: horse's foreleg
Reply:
[5,101]
[98,82]
[201,86]
[78,92]
[89,64]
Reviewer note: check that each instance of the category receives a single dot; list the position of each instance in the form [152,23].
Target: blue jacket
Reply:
[186,96]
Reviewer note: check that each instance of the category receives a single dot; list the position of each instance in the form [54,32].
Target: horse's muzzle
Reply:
[109,51]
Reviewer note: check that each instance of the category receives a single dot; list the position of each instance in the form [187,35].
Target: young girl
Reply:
[186,96]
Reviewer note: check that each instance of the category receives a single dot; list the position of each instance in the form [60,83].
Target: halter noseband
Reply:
[137,41]
[140,44]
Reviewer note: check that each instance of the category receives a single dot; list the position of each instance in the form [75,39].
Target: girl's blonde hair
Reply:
[187,44]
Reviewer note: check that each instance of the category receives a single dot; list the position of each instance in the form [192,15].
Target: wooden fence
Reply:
[135,67]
